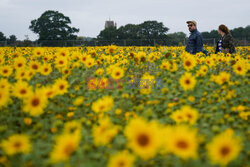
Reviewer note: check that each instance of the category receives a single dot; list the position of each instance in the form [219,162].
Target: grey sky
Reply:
[90,16]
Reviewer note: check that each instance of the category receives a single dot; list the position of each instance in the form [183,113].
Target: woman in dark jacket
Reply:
[225,43]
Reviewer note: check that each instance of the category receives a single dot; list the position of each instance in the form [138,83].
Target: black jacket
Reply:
[227,43]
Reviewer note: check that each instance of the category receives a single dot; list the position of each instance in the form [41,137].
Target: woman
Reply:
[225,43]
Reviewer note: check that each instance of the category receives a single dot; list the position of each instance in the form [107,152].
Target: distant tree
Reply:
[52,25]
[12,39]
[109,33]
[152,30]
[2,37]
[176,38]
[129,31]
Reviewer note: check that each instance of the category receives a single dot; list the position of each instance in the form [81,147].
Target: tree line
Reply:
[53,29]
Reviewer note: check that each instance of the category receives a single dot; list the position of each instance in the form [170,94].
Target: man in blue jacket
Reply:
[195,40]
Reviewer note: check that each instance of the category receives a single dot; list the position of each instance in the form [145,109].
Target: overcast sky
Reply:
[90,16]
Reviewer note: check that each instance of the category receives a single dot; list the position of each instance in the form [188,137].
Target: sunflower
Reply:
[61,62]
[117,73]
[17,143]
[240,68]
[20,63]
[191,114]
[64,147]
[143,137]
[92,83]
[104,132]
[38,52]
[103,83]
[222,78]
[34,66]
[35,103]
[187,81]
[78,101]
[189,62]
[4,84]
[90,62]
[46,69]
[224,148]
[61,86]
[183,142]
[103,104]
[121,159]
[178,116]
[99,71]
[21,89]
[4,97]
[6,70]
[72,127]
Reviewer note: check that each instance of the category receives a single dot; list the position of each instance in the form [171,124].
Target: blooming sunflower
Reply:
[117,73]
[17,143]
[6,70]
[189,62]
[183,142]
[61,62]
[61,86]
[21,89]
[34,66]
[224,148]
[4,97]
[104,104]
[64,147]
[222,78]
[121,159]
[104,132]
[240,68]
[35,103]
[143,137]
[187,81]
[20,62]
[46,69]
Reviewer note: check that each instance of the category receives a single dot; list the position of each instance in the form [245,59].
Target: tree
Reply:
[2,37]
[12,39]
[152,30]
[52,25]
[129,31]
[109,33]
[176,38]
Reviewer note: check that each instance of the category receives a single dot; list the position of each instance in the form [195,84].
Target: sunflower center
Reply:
[20,65]
[5,71]
[46,70]
[143,140]
[187,81]
[225,151]
[69,148]
[239,68]
[182,144]
[61,87]
[61,62]
[35,67]
[117,73]
[35,102]
[189,116]
[121,164]
[188,63]
[23,91]
[17,144]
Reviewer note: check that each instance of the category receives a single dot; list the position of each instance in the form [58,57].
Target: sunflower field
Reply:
[123,106]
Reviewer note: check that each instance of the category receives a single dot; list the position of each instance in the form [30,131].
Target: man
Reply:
[195,40]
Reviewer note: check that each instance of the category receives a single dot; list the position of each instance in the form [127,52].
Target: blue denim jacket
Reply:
[195,42]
